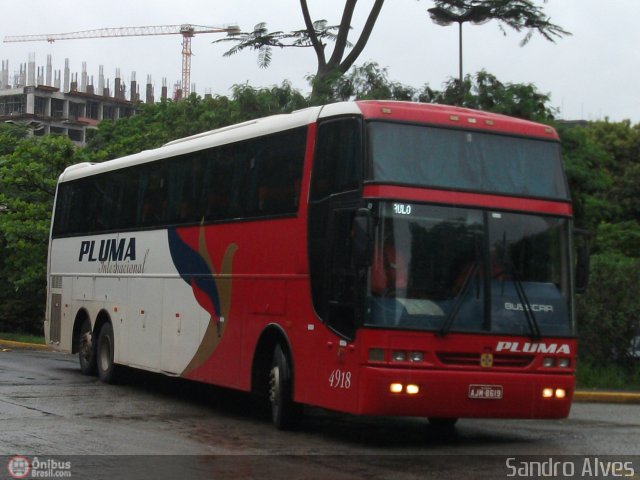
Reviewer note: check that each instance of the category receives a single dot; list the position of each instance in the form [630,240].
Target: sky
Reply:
[592,74]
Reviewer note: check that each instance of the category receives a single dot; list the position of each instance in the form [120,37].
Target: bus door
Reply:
[343,312]
[334,200]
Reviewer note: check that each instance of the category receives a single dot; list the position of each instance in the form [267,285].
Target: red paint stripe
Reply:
[447,197]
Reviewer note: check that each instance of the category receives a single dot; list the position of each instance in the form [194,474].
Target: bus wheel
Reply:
[86,350]
[441,423]
[285,413]
[104,354]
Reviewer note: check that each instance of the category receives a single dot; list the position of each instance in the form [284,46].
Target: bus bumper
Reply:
[455,394]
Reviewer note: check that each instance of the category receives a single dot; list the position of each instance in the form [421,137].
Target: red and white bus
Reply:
[378,258]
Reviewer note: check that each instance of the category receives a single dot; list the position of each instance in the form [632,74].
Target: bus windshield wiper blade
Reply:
[457,304]
[526,306]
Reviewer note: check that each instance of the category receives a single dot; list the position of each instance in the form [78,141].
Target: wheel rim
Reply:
[104,357]
[274,386]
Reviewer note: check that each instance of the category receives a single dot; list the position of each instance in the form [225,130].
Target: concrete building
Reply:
[52,103]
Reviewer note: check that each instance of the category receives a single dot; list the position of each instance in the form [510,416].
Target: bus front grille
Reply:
[473,359]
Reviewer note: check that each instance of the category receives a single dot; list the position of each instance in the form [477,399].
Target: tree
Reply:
[517,14]
[162,122]
[608,314]
[28,177]
[586,165]
[485,92]
[10,137]
[369,82]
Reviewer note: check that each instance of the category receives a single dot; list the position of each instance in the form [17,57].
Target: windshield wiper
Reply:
[457,304]
[509,269]
[526,306]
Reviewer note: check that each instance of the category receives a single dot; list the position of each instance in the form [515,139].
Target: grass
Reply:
[608,376]
[22,337]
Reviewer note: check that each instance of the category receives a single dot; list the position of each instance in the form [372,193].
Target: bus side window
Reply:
[277,171]
[154,196]
[337,159]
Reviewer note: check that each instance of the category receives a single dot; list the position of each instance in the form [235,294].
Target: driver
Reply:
[389,271]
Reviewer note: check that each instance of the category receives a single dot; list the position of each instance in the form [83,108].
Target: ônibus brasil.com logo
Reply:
[19,467]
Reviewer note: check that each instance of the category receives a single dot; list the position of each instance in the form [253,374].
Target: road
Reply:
[169,428]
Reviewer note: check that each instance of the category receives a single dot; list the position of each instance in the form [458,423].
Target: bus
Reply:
[367,257]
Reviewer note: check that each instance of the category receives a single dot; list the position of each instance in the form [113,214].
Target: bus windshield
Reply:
[469,270]
[464,160]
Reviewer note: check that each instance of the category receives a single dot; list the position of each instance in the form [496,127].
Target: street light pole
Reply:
[460,51]
[476,15]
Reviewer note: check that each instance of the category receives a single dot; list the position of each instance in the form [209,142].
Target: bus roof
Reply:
[432,114]
[455,117]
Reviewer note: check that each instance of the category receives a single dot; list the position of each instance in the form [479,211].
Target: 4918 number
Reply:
[340,379]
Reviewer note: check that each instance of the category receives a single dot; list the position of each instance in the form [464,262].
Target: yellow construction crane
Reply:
[186,30]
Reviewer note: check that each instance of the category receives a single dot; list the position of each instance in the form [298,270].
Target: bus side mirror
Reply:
[362,238]
[581,246]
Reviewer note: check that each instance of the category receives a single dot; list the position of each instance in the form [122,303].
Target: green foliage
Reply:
[518,15]
[485,92]
[602,161]
[608,314]
[10,136]
[162,122]
[22,337]
[255,103]
[21,312]
[621,142]
[261,40]
[315,36]
[369,82]
[621,239]
[607,376]
[28,177]
[586,164]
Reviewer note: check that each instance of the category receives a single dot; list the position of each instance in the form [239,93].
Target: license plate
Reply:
[485,392]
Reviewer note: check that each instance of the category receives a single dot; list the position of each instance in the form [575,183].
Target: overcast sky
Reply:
[590,75]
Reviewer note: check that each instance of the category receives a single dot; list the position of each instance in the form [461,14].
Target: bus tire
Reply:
[86,349]
[104,354]
[285,413]
[442,423]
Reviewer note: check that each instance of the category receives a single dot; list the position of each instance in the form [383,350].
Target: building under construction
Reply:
[57,102]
